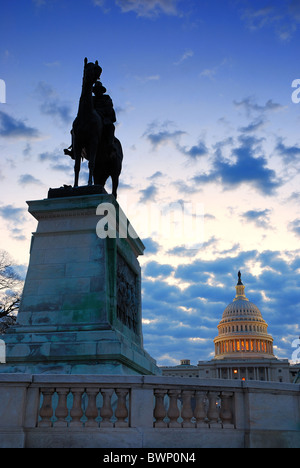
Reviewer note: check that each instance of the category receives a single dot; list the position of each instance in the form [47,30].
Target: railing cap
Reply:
[145,381]
[16,378]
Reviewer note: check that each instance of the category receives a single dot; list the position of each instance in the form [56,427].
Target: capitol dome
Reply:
[242,330]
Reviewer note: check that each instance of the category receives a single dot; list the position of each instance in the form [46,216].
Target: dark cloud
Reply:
[53,156]
[156,175]
[159,134]
[294,226]
[183,251]
[289,153]
[125,186]
[272,259]
[15,128]
[154,269]
[12,214]
[260,217]
[161,291]
[253,126]
[27,151]
[250,105]
[249,167]
[223,268]
[14,218]
[151,246]
[28,179]
[18,234]
[209,216]
[148,194]
[57,161]
[295,196]
[52,105]
[195,151]
[187,186]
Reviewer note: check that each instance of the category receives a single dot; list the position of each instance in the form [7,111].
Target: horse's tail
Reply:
[119,150]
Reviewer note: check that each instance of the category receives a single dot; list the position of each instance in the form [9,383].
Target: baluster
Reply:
[46,411]
[200,410]
[159,410]
[106,411]
[121,411]
[226,409]
[76,411]
[173,412]
[92,411]
[187,412]
[61,411]
[213,410]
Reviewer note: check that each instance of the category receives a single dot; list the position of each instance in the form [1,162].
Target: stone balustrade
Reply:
[186,407]
[90,406]
[94,406]
[145,411]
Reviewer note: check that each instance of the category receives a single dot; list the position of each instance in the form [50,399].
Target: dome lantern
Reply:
[240,289]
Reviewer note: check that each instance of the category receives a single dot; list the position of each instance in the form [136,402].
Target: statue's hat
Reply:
[99,88]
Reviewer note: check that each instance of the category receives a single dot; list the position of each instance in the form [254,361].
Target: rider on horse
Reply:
[104,107]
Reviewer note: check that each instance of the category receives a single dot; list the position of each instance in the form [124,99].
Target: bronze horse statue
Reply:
[88,137]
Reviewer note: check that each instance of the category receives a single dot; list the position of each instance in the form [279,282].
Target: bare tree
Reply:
[10,291]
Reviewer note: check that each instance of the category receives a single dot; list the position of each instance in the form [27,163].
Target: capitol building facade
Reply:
[243,348]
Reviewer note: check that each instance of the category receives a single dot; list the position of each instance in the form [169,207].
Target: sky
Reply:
[208,115]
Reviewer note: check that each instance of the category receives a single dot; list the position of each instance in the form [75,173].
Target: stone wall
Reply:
[146,412]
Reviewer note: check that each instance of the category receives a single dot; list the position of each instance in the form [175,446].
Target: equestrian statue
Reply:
[93,130]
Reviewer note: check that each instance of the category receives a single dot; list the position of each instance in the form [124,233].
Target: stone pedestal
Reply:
[81,306]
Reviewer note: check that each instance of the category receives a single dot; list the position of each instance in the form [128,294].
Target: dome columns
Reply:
[243,347]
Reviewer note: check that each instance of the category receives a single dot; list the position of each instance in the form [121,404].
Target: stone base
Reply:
[81,305]
[75,352]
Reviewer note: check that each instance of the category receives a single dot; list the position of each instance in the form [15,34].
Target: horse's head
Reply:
[92,71]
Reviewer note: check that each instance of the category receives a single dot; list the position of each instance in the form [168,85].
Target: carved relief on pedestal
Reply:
[127,295]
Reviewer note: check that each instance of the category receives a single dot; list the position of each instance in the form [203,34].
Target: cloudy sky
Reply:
[209,123]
